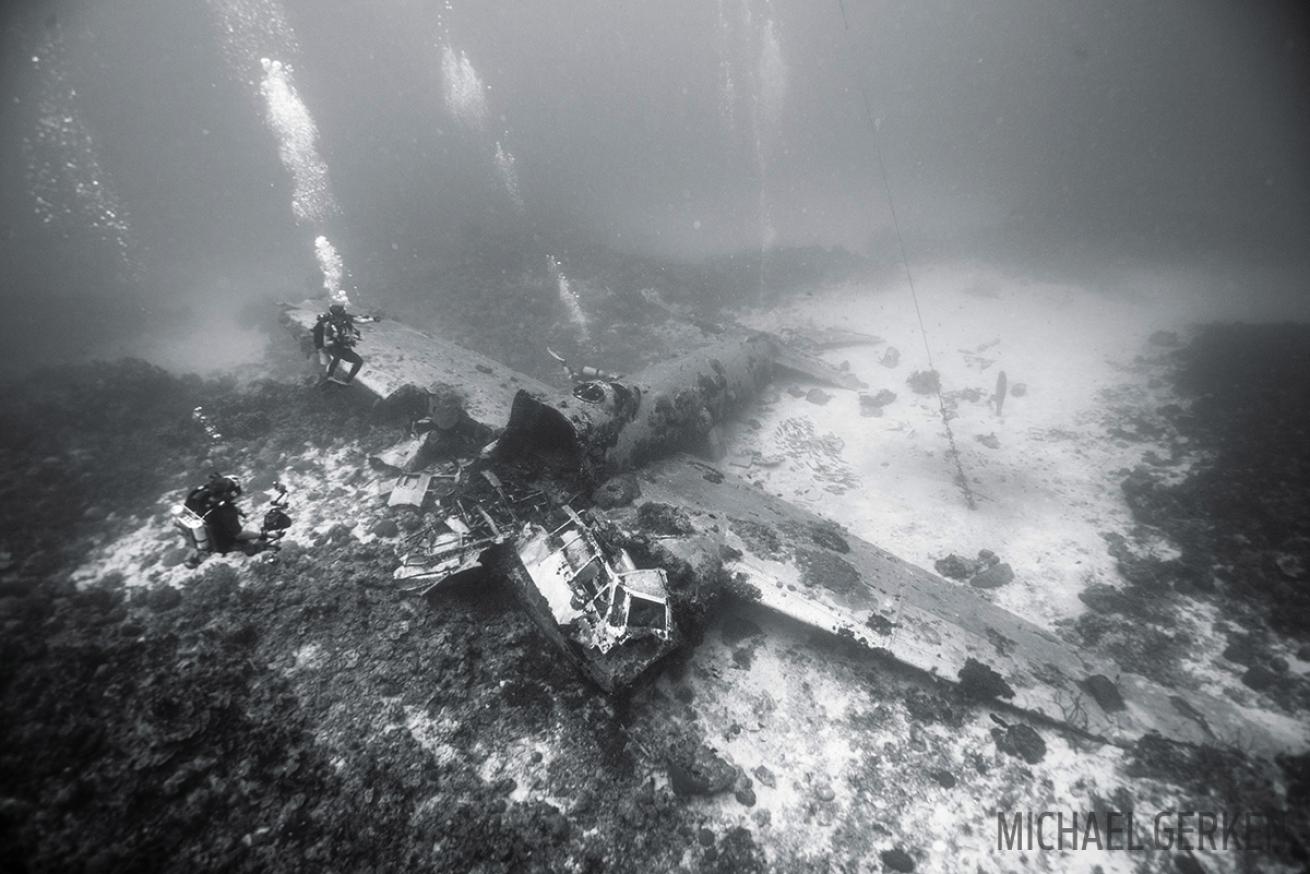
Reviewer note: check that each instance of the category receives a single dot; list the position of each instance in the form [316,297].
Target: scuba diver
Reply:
[212,521]
[584,373]
[336,335]
[591,385]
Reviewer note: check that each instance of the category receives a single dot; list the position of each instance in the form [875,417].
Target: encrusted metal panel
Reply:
[809,569]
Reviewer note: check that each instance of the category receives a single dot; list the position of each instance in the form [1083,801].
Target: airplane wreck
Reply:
[603,509]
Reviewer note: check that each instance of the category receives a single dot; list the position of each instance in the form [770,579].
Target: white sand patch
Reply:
[135,555]
[334,487]
[326,487]
[310,657]
[526,761]
[807,712]
[1206,664]
[130,554]
[433,733]
[1048,490]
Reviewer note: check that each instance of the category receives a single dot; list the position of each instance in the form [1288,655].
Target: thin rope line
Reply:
[961,479]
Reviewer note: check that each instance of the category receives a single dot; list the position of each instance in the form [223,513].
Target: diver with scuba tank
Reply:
[212,522]
[335,336]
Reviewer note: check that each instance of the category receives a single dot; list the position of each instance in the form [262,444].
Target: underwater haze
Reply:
[773,435]
[168,162]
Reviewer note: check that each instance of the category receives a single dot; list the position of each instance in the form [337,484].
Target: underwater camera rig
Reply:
[276,521]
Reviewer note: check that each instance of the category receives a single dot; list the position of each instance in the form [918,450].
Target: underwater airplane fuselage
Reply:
[730,535]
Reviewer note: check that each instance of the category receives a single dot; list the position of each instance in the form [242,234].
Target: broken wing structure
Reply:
[476,513]
[807,568]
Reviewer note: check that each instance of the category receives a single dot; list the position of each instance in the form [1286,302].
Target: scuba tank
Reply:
[191,517]
[584,373]
[192,526]
[320,342]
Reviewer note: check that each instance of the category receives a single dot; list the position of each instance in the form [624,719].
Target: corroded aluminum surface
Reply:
[807,568]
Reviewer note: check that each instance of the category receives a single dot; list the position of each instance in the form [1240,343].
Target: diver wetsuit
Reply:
[344,353]
[339,335]
[225,529]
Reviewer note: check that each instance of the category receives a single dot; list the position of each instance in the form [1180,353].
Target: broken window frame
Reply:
[603,618]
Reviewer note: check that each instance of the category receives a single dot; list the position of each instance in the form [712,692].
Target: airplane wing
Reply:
[811,570]
[396,355]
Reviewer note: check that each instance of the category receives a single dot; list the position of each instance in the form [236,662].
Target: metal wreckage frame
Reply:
[592,505]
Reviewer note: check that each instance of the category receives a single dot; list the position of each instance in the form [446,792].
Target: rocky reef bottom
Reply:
[269,715]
